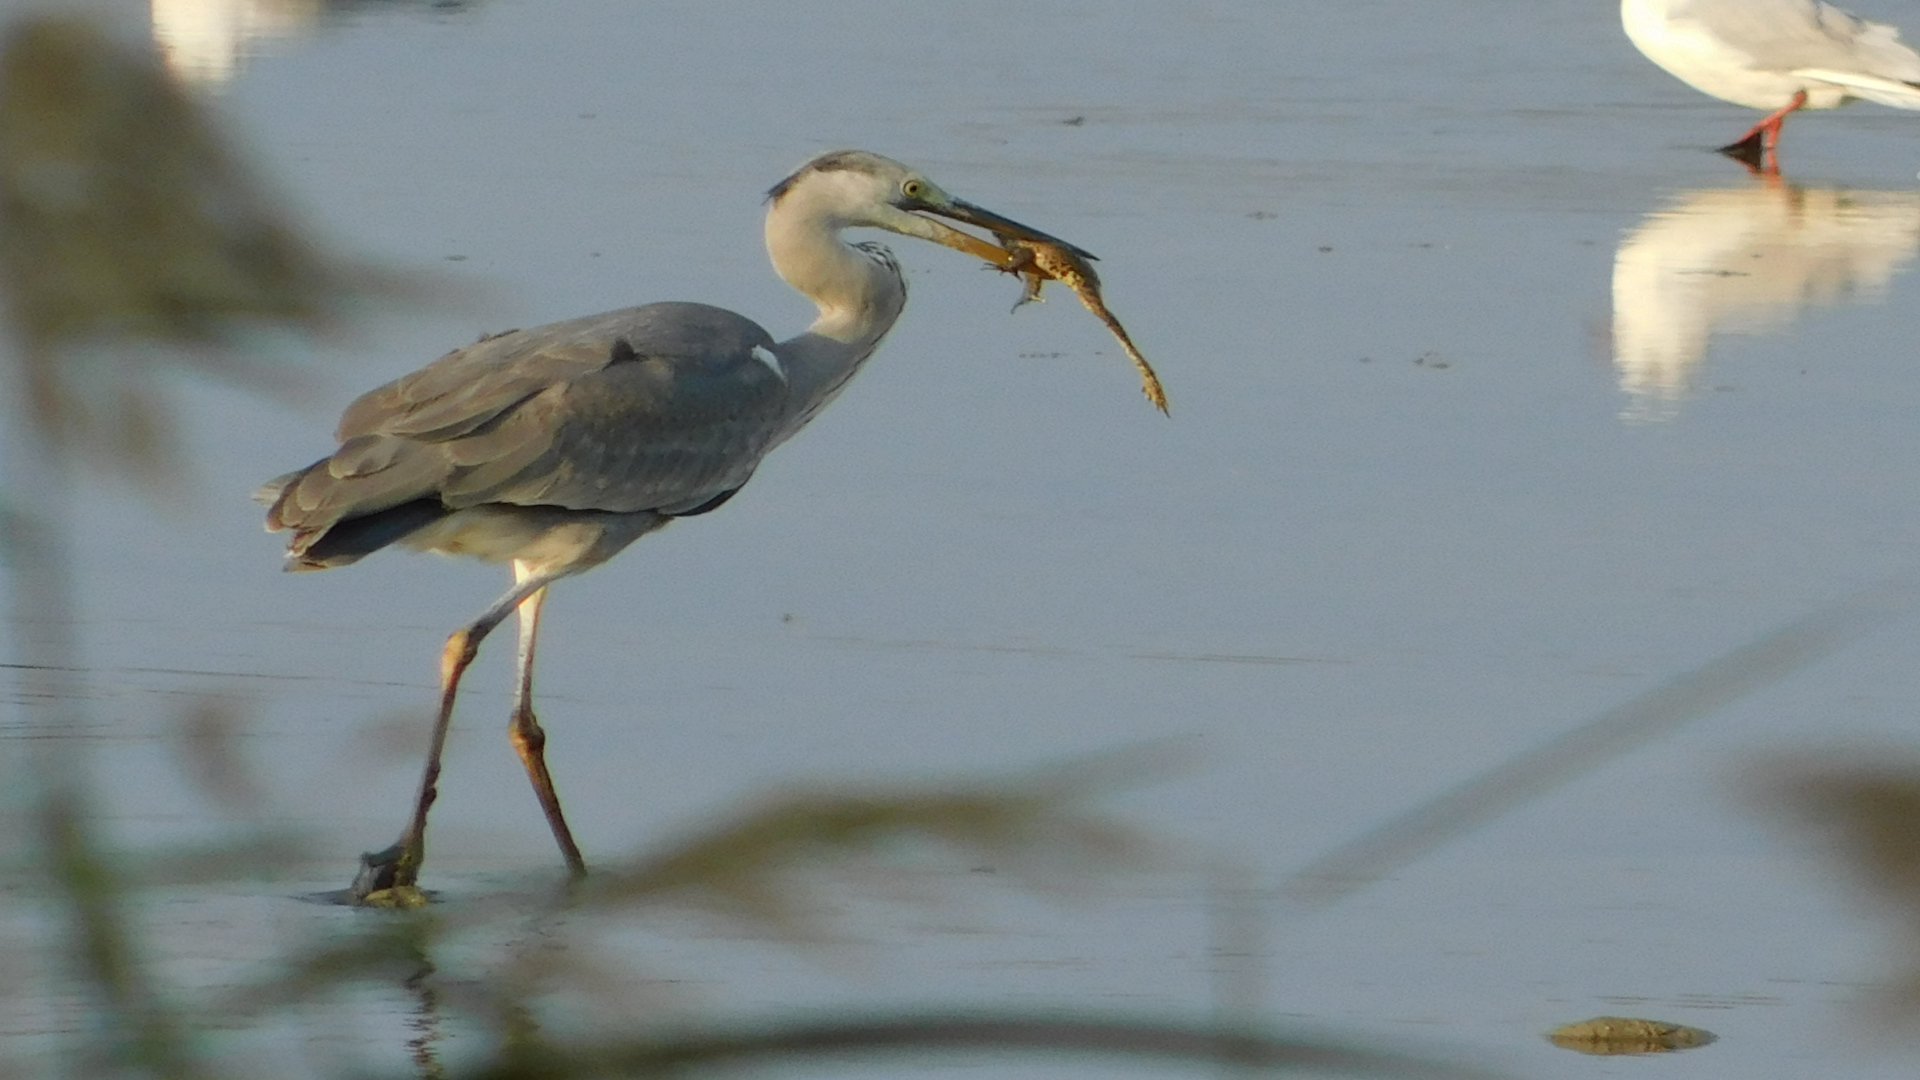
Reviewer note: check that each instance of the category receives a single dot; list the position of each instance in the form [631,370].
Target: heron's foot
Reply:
[400,898]
[386,879]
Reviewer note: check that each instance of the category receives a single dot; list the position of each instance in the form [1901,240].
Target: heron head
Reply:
[855,188]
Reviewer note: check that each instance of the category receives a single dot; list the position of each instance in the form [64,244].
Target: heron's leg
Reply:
[525,733]
[399,865]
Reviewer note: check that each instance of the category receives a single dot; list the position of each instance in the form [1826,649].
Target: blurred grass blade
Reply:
[1619,730]
[262,855]
[393,951]
[913,1037]
[746,867]
[143,1035]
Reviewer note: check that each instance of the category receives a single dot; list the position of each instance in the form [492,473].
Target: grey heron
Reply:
[553,448]
[1779,55]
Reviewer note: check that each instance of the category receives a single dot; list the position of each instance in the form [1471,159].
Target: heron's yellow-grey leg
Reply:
[529,741]
[398,867]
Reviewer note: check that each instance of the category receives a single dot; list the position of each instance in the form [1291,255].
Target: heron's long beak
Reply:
[1005,229]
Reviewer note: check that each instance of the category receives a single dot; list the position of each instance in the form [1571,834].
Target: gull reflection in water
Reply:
[205,42]
[1744,260]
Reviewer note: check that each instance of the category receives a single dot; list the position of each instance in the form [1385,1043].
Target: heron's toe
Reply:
[382,874]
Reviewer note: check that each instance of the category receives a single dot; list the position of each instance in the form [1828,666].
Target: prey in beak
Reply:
[1036,256]
[1006,230]
[922,199]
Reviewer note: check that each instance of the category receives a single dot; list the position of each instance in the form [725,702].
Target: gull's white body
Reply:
[1761,53]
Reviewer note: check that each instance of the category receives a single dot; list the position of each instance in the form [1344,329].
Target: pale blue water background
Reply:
[1403,522]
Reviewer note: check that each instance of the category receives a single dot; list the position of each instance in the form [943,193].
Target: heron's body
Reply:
[1777,55]
[555,447]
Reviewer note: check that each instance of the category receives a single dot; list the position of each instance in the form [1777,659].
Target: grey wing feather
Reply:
[649,434]
[661,407]
[1790,35]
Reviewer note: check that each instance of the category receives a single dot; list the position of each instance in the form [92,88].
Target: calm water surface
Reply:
[1497,401]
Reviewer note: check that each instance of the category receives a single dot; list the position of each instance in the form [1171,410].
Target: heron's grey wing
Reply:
[1793,35]
[662,407]
[469,387]
[652,434]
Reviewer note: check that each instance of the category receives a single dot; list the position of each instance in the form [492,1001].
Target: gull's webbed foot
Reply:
[1750,151]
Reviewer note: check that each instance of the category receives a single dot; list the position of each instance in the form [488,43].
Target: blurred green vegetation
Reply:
[132,240]
[1866,809]
[133,243]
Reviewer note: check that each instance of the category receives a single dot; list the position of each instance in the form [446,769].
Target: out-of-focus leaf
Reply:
[125,216]
[206,744]
[125,220]
[1871,807]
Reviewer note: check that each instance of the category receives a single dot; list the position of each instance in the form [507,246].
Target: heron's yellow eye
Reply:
[913,189]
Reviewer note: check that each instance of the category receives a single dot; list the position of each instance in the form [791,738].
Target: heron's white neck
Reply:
[858,296]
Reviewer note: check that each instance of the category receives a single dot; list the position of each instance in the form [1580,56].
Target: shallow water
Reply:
[1483,423]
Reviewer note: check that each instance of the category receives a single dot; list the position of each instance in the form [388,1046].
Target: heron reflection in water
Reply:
[553,448]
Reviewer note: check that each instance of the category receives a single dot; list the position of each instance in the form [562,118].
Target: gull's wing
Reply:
[1804,37]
